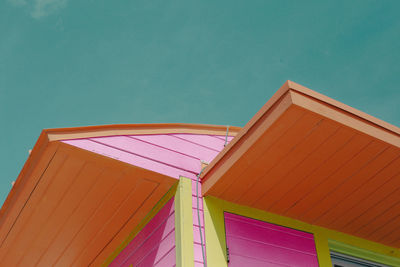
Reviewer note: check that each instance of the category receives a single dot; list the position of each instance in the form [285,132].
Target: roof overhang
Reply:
[138,129]
[74,207]
[309,157]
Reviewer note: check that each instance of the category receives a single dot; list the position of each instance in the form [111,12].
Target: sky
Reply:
[67,63]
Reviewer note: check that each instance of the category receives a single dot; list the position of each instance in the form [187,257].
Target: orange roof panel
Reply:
[74,207]
[311,158]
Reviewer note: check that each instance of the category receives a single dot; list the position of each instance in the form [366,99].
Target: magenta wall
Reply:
[154,245]
[256,243]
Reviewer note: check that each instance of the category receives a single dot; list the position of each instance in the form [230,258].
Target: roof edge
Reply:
[284,91]
[346,108]
[47,136]
[132,129]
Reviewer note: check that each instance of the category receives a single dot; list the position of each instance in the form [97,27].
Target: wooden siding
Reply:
[256,243]
[81,208]
[169,154]
[174,155]
[310,158]
[198,256]
[154,245]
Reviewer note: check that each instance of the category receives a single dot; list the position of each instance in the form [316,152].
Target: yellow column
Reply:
[215,234]
[322,246]
[184,224]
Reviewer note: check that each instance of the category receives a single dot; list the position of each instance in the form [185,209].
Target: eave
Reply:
[70,206]
[311,158]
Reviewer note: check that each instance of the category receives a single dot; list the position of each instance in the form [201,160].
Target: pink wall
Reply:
[198,256]
[173,155]
[256,243]
[155,243]
[169,154]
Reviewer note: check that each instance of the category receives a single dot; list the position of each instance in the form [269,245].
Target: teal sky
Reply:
[66,63]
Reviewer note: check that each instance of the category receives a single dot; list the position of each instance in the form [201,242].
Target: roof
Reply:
[311,158]
[71,205]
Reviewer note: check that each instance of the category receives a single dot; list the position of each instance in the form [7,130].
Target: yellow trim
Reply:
[215,232]
[362,253]
[322,247]
[214,227]
[142,224]
[184,224]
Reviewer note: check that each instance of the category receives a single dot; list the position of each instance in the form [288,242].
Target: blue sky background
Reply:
[66,63]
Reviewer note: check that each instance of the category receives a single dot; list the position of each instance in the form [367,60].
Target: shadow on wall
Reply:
[154,245]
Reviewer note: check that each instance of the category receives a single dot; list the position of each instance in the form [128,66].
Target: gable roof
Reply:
[72,205]
[311,158]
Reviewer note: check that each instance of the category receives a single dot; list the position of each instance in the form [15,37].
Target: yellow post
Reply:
[184,224]
[322,246]
[215,233]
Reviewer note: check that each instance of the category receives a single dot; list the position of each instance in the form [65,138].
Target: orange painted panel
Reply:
[66,208]
[110,219]
[81,204]
[340,158]
[355,183]
[366,195]
[240,147]
[377,217]
[71,228]
[231,188]
[393,237]
[37,162]
[279,151]
[292,162]
[315,198]
[131,223]
[332,166]
[21,225]
[319,157]
[391,223]
[353,222]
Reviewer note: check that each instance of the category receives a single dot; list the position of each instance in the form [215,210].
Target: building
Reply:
[308,181]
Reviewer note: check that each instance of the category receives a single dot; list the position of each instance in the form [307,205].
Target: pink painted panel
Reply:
[268,225]
[256,243]
[196,228]
[194,202]
[168,260]
[204,140]
[149,255]
[273,237]
[153,152]
[196,217]
[130,158]
[174,155]
[196,234]
[154,244]
[247,261]
[180,145]
[222,137]
[194,193]
[198,256]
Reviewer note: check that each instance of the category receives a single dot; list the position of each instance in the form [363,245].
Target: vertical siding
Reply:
[256,243]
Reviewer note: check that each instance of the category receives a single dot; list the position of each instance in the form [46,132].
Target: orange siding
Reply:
[313,159]
[83,206]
